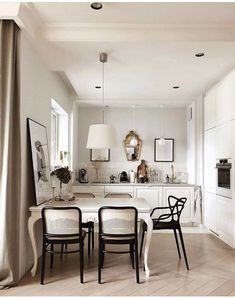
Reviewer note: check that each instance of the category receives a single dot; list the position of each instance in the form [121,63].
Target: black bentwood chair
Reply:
[88,225]
[62,225]
[118,225]
[170,220]
[118,195]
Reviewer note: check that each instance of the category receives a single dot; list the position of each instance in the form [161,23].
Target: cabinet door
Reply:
[210,211]
[223,141]
[209,109]
[225,219]
[210,161]
[153,195]
[224,100]
[187,213]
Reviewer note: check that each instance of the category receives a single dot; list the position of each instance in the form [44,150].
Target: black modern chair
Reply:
[170,220]
[62,225]
[86,225]
[118,225]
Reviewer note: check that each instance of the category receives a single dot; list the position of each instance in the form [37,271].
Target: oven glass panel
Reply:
[224,178]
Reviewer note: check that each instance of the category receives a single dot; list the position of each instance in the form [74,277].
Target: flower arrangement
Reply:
[63,174]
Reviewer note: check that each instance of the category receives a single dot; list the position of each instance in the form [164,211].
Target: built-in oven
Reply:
[224,177]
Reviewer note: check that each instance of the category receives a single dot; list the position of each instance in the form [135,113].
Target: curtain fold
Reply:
[10,154]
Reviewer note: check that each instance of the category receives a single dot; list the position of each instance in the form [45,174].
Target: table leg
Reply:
[149,223]
[31,224]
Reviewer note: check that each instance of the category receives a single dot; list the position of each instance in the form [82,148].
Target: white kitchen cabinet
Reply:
[210,160]
[210,211]
[224,100]
[153,195]
[209,109]
[188,192]
[223,142]
[225,219]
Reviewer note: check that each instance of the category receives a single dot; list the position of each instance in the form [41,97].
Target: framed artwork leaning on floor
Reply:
[40,161]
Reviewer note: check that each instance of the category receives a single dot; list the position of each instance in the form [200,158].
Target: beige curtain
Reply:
[10,171]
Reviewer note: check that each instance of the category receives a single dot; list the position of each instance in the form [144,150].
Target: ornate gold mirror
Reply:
[132,145]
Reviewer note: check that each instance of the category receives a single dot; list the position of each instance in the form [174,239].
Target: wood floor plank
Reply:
[211,262]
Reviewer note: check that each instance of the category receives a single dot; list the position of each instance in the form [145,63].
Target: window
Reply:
[54,137]
[59,135]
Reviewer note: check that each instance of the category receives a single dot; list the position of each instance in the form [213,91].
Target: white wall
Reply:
[148,124]
[38,86]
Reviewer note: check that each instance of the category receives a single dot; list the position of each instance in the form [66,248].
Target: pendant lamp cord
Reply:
[103,93]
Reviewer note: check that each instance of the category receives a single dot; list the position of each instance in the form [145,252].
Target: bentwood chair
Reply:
[118,225]
[170,220]
[118,195]
[88,225]
[62,225]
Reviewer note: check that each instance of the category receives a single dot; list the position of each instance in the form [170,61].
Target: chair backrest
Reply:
[118,221]
[176,206]
[62,221]
[84,195]
[118,195]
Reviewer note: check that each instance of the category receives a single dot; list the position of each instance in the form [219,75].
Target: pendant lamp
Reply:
[162,140]
[133,141]
[101,136]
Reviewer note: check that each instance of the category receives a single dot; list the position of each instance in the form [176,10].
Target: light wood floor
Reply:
[212,272]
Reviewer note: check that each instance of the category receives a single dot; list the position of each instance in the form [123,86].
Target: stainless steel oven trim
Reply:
[224,192]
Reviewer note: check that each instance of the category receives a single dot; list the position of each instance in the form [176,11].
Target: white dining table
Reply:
[90,208]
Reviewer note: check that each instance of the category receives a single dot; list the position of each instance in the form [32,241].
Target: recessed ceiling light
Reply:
[176,87]
[96,5]
[98,87]
[200,54]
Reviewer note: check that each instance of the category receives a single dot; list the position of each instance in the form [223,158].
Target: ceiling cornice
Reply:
[79,32]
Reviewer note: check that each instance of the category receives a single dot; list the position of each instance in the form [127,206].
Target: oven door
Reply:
[224,180]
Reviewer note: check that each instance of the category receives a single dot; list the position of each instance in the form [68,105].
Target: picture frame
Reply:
[40,161]
[164,152]
[100,155]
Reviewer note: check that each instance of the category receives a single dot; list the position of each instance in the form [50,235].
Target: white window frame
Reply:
[54,139]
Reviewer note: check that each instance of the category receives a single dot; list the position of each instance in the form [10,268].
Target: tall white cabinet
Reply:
[219,138]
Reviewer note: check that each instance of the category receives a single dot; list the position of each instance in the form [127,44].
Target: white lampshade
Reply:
[101,136]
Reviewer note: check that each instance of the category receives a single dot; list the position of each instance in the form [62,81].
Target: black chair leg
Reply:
[99,261]
[132,255]
[81,260]
[102,255]
[93,236]
[137,262]
[142,242]
[43,262]
[183,247]
[62,251]
[52,256]
[177,243]
[89,242]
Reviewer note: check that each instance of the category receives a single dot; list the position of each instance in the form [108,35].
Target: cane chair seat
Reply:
[66,238]
[118,195]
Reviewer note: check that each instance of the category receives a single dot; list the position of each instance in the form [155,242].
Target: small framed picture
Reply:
[164,151]
[100,155]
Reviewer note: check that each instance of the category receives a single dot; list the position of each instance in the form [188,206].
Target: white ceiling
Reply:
[151,48]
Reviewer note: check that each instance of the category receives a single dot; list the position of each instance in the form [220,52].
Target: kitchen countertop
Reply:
[157,184]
